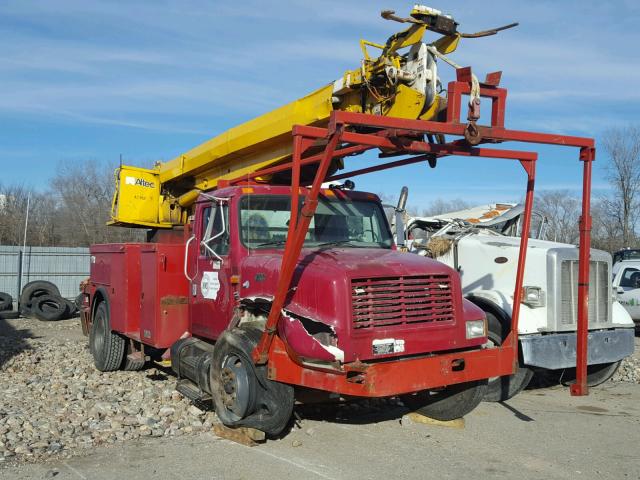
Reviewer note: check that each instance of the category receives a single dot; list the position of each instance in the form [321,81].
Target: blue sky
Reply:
[83,79]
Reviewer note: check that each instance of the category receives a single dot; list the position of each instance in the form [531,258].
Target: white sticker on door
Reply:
[210,285]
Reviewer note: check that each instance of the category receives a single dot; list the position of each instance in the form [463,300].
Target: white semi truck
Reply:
[482,245]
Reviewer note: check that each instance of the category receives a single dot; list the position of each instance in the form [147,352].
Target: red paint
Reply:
[301,343]
[210,317]
[587,156]
[164,311]
[145,289]
[385,379]
[115,270]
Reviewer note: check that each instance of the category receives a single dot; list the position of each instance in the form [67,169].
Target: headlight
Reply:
[533,297]
[476,329]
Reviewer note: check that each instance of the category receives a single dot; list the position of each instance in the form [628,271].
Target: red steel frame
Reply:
[401,136]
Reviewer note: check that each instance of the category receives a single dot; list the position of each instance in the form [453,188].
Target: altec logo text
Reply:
[138,181]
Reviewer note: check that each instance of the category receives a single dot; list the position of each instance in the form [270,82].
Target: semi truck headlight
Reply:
[475,329]
[533,297]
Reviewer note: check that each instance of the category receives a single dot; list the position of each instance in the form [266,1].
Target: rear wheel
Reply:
[500,389]
[242,394]
[107,347]
[449,403]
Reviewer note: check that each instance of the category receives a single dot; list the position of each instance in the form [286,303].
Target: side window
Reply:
[215,231]
[630,278]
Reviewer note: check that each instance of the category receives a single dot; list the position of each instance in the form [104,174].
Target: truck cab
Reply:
[357,297]
[481,244]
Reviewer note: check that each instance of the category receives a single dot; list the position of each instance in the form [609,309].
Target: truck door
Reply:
[627,286]
[211,292]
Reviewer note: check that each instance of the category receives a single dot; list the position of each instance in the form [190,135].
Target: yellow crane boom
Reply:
[402,81]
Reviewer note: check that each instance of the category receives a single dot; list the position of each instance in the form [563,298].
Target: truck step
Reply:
[200,399]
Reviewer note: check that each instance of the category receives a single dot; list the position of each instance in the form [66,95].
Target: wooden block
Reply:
[249,437]
[416,417]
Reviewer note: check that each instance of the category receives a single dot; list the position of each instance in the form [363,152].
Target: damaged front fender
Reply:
[310,339]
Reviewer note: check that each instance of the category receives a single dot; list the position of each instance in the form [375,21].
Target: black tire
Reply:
[6,302]
[72,310]
[500,389]
[50,308]
[107,347]
[25,309]
[9,315]
[449,403]
[596,374]
[35,289]
[242,394]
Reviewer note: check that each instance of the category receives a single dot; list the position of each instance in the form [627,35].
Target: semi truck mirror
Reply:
[400,234]
[399,217]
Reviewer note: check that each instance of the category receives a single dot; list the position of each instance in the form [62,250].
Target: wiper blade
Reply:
[274,242]
[335,242]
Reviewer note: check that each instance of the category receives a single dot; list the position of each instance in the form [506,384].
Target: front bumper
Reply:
[396,376]
[558,350]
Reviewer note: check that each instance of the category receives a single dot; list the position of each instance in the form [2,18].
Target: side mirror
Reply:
[619,290]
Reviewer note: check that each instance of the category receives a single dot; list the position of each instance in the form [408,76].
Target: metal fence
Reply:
[65,267]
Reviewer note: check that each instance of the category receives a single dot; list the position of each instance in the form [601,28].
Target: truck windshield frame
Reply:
[343,222]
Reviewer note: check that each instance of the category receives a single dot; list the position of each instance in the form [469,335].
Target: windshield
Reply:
[264,222]
[630,254]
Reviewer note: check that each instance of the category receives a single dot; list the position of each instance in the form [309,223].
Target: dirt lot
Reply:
[60,419]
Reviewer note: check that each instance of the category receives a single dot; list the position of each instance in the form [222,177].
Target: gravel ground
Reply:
[629,370]
[54,404]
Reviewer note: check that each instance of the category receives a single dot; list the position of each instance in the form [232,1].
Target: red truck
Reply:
[357,301]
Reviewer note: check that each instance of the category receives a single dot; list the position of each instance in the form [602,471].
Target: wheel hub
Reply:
[235,386]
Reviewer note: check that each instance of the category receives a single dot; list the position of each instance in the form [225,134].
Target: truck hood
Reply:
[260,271]
[321,301]
[505,242]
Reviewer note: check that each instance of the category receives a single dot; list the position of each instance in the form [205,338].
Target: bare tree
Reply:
[13,212]
[622,145]
[562,210]
[439,206]
[84,191]
[606,233]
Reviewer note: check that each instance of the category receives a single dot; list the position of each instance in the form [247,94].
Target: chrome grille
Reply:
[407,300]
[598,292]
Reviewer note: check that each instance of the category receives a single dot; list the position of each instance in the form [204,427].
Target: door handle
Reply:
[186,257]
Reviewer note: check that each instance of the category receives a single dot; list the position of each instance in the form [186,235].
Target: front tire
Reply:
[596,374]
[107,347]
[449,403]
[242,394]
[503,388]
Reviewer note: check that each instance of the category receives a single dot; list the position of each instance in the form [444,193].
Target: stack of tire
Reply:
[6,307]
[42,300]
